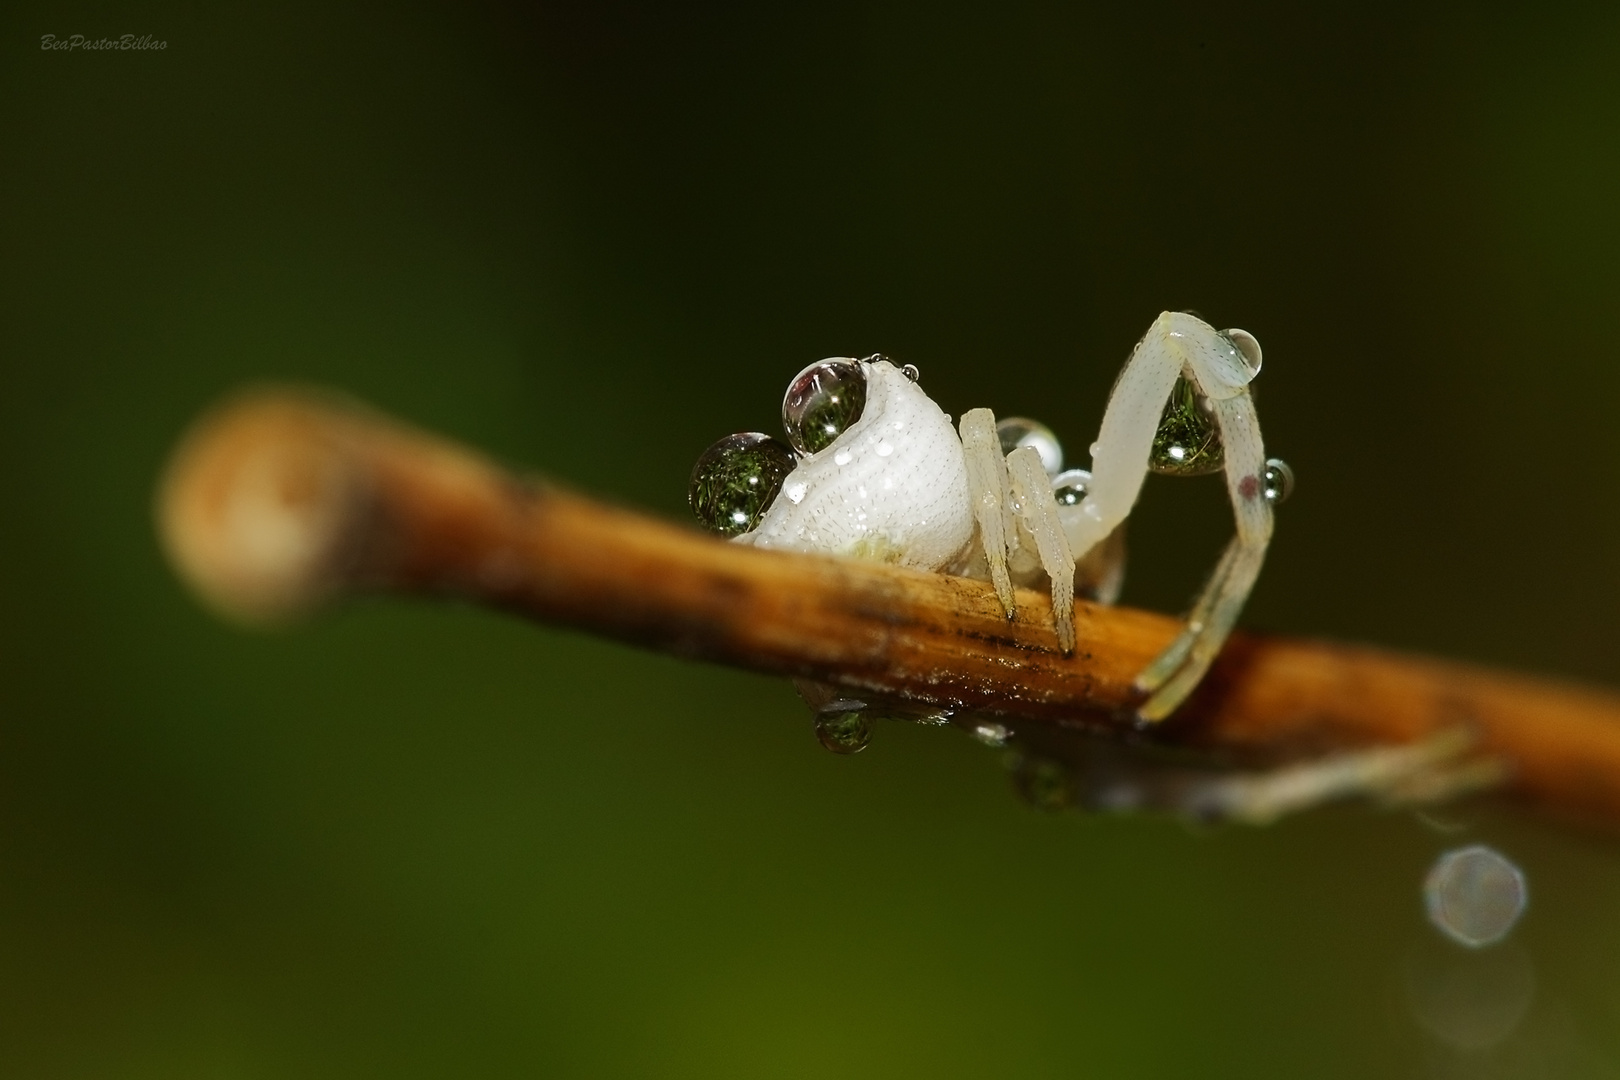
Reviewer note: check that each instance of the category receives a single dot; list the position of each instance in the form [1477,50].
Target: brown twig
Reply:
[282,501]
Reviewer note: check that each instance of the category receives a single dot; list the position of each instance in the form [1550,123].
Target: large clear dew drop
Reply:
[822,402]
[735,480]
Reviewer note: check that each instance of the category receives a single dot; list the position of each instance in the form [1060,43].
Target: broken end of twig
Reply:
[258,503]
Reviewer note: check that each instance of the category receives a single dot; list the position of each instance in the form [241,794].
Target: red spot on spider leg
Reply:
[1249,487]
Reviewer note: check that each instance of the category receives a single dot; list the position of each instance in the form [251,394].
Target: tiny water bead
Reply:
[735,480]
[1279,481]
[1188,442]
[910,371]
[843,726]
[1016,431]
[822,402]
[1475,895]
[1069,488]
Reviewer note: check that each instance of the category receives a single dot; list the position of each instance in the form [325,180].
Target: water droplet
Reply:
[1475,895]
[1016,431]
[843,726]
[1246,346]
[1279,480]
[735,480]
[1043,783]
[884,449]
[822,402]
[992,734]
[1188,442]
[910,371]
[843,457]
[1069,488]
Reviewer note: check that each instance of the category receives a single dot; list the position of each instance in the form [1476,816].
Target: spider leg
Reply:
[1119,458]
[1175,654]
[1037,512]
[1176,672]
[1179,345]
[990,493]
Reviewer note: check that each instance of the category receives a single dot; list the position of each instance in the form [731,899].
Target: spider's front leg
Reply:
[1176,672]
[1013,507]
[1204,375]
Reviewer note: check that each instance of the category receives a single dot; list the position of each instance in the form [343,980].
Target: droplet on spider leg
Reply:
[1188,441]
[910,371]
[822,402]
[1247,346]
[1069,488]
[843,726]
[735,480]
[1016,431]
[1279,481]
[1474,895]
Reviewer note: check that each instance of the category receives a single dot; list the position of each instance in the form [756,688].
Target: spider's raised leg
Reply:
[1177,670]
[1119,458]
[1180,346]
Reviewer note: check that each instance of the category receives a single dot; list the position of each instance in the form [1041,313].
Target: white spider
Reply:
[880,473]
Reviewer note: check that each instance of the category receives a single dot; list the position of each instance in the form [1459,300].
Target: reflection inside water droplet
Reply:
[843,726]
[1188,441]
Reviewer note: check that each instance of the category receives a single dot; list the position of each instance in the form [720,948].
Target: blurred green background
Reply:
[417,841]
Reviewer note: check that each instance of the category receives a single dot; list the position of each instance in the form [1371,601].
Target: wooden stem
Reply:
[280,502]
